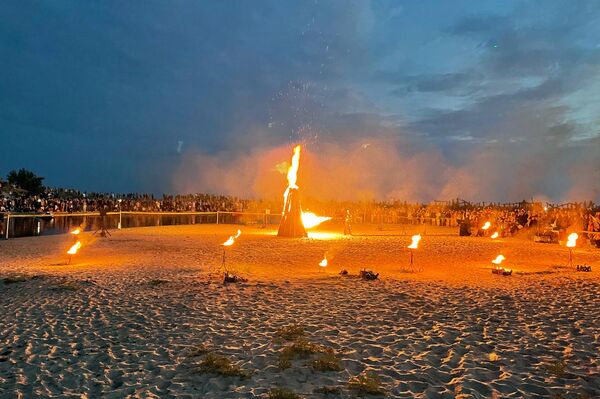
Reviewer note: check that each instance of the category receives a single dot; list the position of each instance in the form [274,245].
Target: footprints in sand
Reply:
[122,336]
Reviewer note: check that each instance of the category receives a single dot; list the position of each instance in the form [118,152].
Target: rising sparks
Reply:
[498,260]
[232,239]
[572,240]
[73,250]
[415,241]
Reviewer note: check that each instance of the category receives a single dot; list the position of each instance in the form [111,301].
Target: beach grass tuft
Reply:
[14,279]
[328,390]
[199,350]
[67,286]
[290,333]
[366,384]
[328,361]
[299,348]
[283,393]
[220,365]
[557,368]
[157,281]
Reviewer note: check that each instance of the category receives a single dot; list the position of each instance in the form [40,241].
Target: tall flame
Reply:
[486,226]
[73,250]
[415,241]
[495,235]
[309,219]
[292,175]
[232,239]
[572,240]
[498,259]
[324,262]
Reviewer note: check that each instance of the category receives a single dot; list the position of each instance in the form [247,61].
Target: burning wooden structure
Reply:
[294,222]
[291,219]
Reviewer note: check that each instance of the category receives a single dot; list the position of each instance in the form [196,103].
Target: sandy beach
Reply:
[141,314]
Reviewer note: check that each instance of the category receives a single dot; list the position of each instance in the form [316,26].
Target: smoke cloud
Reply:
[376,168]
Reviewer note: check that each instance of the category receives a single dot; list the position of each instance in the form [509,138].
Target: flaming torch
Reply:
[323,264]
[571,243]
[73,250]
[414,245]
[230,241]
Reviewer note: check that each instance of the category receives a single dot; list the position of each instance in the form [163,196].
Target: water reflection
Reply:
[47,225]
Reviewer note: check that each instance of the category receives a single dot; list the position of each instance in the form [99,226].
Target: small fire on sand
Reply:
[323,264]
[495,235]
[294,222]
[571,243]
[76,231]
[499,269]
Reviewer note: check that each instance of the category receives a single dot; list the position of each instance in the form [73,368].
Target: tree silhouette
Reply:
[26,180]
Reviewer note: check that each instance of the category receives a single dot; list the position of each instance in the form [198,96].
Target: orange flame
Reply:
[309,219]
[495,235]
[415,241]
[498,259]
[76,231]
[292,175]
[572,240]
[73,250]
[232,239]
[324,262]
[486,226]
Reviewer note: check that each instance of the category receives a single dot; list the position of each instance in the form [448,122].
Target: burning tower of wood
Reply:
[294,221]
[291,218]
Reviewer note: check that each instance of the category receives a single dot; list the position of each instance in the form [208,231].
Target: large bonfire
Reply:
[294,222]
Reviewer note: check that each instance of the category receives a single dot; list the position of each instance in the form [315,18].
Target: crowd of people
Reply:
[506,219]
[71,201]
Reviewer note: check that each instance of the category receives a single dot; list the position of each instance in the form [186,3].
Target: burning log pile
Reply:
[499,269]
[368,275]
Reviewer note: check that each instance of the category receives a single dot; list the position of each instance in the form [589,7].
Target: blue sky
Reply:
[112,95]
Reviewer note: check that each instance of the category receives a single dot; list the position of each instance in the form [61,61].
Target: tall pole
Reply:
[7,225]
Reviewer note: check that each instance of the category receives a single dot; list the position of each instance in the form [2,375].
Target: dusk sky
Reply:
[113,95]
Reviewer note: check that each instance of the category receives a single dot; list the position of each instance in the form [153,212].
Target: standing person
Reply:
[347,223]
